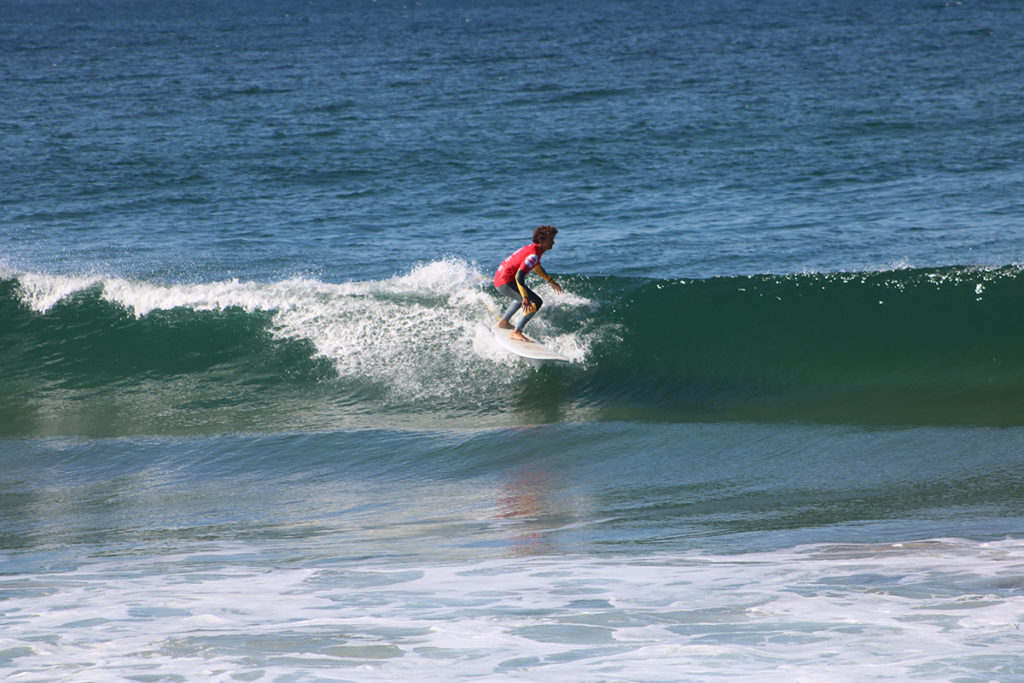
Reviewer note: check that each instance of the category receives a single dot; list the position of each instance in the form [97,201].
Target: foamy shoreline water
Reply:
[917,610]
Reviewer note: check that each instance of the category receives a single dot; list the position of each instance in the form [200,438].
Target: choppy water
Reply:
[254,426]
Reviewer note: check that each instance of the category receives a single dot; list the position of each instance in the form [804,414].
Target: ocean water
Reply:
[254,425]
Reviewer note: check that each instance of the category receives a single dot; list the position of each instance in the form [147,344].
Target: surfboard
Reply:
[534,351]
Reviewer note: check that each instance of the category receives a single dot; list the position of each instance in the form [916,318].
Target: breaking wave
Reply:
[109,355]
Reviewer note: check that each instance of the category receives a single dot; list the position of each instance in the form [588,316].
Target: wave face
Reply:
[902,346]
[106,356]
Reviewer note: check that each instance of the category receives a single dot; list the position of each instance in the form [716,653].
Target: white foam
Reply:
[43,292]
[423,334]
[897,611]
[452,276]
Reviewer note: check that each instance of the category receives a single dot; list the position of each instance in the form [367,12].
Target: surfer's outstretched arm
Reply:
[551,281]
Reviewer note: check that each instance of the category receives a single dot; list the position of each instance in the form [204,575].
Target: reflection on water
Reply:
[527,500]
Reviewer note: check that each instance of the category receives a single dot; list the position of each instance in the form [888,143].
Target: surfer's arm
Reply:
[521,284]
[551,280]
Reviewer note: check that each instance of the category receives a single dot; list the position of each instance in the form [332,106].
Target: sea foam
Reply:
[411,333]
[925,609]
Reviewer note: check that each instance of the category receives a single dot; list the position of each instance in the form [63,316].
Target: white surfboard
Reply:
[534,351]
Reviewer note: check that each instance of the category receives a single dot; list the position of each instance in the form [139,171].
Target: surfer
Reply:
[510,280]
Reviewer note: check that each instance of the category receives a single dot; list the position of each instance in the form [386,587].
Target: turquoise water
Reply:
[254,425]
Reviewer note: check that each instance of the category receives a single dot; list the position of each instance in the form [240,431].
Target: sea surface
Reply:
[254,425]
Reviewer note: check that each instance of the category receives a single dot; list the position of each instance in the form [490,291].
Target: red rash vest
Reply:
[526,259]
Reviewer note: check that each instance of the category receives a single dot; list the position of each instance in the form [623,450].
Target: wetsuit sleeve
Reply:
[540,271]
[521,282]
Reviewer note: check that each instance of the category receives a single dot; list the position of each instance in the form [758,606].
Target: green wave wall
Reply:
[931,345]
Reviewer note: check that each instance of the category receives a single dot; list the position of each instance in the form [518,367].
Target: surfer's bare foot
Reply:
[504,324]
[519,336]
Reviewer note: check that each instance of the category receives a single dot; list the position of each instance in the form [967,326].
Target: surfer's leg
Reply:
[517,303]
[537,301]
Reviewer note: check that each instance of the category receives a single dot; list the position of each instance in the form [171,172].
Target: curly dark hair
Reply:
[542,232]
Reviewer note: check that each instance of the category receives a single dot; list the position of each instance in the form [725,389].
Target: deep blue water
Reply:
[666,139]
[254,425]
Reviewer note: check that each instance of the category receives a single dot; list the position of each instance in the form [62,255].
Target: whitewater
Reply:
[664,618]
